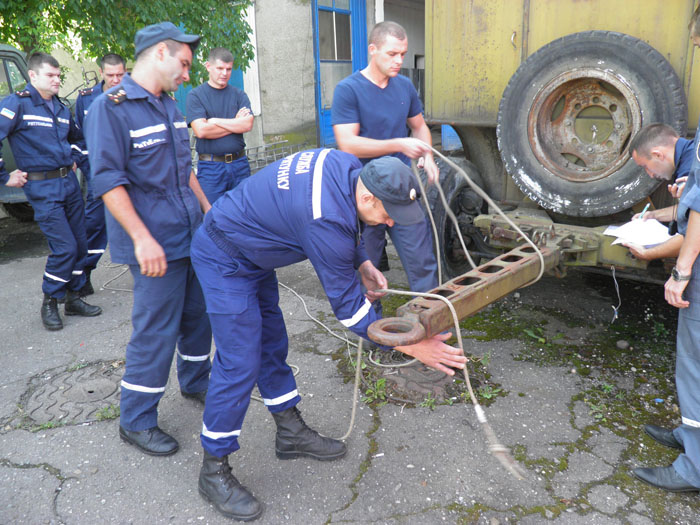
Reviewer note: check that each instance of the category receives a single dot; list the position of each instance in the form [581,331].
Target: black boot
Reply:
[219,487]
[87,288]
[295,438]
[49,313]
[76,306]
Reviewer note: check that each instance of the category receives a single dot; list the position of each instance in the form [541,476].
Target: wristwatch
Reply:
[678,277]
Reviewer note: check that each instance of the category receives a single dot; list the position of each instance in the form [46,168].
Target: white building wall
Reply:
[286,60]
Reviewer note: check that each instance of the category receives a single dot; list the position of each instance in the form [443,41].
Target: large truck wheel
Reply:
[568,113]
[466,205]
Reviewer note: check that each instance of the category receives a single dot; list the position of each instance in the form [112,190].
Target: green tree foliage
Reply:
[96,27]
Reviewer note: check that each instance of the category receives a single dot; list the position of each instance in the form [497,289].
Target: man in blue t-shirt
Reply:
[372,112]
[666,156]
[219,115]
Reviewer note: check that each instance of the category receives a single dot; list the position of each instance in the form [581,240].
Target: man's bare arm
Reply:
[670,248]
[148,252]
[420,130]
[199,193]
[348,138]
[215,128]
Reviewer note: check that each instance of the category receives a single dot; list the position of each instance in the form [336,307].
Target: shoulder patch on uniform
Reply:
[24,93]
[117,97]
[6,112]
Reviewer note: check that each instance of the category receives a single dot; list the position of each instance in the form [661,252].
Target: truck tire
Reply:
[567,116]
[22,211]
[466,205]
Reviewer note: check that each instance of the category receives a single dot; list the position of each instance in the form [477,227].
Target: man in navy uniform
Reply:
[142,167]
[372,111]
[314,205]
[112,69]
[40,130]
[219,115]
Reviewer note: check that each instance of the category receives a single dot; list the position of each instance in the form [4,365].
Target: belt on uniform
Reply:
[54,174]
[229,157]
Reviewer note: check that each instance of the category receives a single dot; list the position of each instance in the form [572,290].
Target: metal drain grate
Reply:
[74,396]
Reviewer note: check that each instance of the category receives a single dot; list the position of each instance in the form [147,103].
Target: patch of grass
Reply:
[376,393]
[429,402]
[108,412]
[48,425]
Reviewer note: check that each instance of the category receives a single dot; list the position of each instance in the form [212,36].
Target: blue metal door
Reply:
[340,48]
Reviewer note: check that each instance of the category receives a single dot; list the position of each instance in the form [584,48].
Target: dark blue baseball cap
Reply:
[151,35]
[393,183]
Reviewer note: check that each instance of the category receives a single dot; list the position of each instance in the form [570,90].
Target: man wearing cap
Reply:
[219,114]
[311,205]
[112,69]
[141,166]
[40,130]
[372,111]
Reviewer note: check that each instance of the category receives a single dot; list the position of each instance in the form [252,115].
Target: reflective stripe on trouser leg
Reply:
[231,289]
[687,380]
[156,315]
[194,343]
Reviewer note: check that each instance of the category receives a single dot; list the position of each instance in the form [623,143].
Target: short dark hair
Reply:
[651,136]
[36,60]
[111,59]
[220,53]
[173,47]
[693,25]
[384,29]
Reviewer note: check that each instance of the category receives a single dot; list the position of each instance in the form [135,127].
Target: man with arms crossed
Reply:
[219,115]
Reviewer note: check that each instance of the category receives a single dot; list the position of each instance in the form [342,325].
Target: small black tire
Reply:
[466,205]
[553,105]
[22,211]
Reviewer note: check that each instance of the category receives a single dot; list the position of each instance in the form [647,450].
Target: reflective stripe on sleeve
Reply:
[149,130]
[96,251]
[218,435]
[77,272]
[281,399]
[316,187]
[139,388]
[358,315]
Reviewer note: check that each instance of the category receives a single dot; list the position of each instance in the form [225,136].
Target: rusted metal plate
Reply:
[468,294]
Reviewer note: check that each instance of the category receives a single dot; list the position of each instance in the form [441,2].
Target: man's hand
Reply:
[243,112]
[151,257]
[639,251]
[436,354]
[18,178]
[676,189]
[673,292]
[430,168]
[413,148]
[372,279]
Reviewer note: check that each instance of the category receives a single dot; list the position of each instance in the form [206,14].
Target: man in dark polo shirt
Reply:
[219,115]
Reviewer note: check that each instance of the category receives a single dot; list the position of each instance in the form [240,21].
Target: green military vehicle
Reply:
[13,77]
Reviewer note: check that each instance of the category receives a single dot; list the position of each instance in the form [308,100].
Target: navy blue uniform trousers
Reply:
[414,244]
[688,381]
[95,227]
[216,178]
[167,311]
[58,209]
[251,341]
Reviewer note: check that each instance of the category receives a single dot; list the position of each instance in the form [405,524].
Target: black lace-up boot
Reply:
[76,306]
[49,313]
[295,438]
[219,487]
